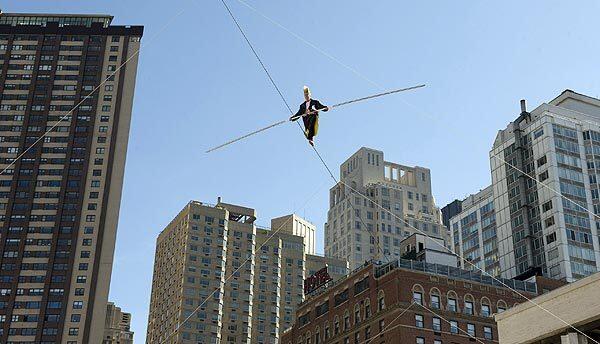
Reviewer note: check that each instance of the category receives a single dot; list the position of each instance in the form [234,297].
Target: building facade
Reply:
[60,193]
[404,191]
[299,227]
[538,230]
[577,303]
[117,328]
[450,210]
[374,304]
[205,245]
[473,233]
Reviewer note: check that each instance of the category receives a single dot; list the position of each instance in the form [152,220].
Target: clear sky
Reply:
[198,85]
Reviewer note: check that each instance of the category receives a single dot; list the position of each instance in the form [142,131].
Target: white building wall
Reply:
[484,223]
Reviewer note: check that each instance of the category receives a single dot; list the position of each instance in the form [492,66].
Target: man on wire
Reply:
[309,111]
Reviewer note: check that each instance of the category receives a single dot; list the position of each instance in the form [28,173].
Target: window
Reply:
[417,297]
[346,321]
[381,301]
[452,305]
[469,307]
[341,298]
[436,324]
[435,301]
[419,320]
[471,330]
[549,221]
[487,333]
[336,325]
[357,314]
[550,238]
[420,340]
[547,206]
[437,341]
[322,309]
[485,310]
[453,326]
[541,161]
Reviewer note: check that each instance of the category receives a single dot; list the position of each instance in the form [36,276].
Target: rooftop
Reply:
[42,19]
[455,273]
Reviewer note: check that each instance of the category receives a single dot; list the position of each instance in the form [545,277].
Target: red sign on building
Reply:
[317,280]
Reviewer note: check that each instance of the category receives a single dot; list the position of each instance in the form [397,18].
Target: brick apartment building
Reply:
[451,305]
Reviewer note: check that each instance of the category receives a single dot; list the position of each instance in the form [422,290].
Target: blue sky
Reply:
[198,85]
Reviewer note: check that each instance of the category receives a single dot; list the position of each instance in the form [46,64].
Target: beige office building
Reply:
[206,244]
[405,194]
[117,328]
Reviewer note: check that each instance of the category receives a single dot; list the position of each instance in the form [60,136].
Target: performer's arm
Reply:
[297,115]
[321,107]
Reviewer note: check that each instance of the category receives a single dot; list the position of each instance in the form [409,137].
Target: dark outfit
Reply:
[311,122]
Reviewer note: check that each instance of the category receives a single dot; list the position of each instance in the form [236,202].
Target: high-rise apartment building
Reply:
[473,233]
[554,229]
[117,328]
[204,245]
[59,201]
[405,193]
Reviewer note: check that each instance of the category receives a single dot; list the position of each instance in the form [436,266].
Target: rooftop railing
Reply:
[455,273]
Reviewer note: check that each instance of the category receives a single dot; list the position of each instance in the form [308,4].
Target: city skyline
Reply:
[149,203]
